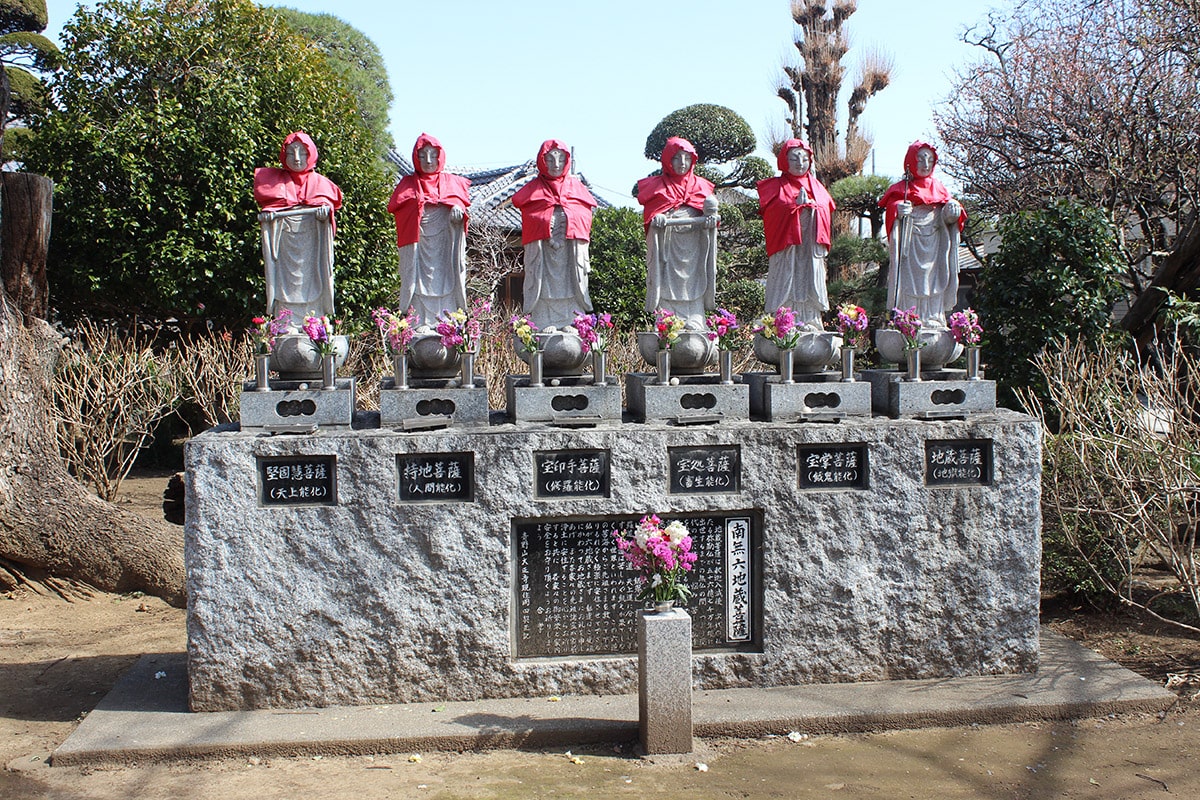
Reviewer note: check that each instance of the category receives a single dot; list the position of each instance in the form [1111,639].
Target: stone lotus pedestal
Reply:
[562,353]
[296,401]
[692,353]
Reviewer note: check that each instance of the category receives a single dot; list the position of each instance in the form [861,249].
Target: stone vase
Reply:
[400,371]
[328,371]
[912,358]
[468,369]
[663,362]
[848,364]
[535,368]
[786,366]
[725,365]
[973,363]
[262,370]
[599,367]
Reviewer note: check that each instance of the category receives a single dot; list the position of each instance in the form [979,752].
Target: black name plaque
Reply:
[436,477]
[958,462]
[833,466]
[571,473]
[297,480]
[705,470]
[574,594]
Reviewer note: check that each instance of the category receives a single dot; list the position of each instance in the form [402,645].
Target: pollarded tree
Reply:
[163,110]
[812,87]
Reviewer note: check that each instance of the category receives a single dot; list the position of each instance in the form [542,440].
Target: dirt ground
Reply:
[59,657]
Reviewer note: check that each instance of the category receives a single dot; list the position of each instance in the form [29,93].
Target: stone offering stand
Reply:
[367,563]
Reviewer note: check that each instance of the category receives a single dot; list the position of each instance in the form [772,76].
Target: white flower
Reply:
[675,532]
[640,538]
[656,580]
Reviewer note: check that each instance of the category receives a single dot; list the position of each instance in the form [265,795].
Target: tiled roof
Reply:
[492,190]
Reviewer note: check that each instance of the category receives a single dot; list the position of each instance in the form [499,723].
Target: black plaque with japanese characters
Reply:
[571,473]
[833,466]
[436,477]
[958,462]
[705,470]
[575,595]
[297,480]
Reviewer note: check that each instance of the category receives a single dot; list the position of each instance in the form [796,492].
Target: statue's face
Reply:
[556,162]
[798,161]
[296,156]
[925,160]
[681,162]
[427,159]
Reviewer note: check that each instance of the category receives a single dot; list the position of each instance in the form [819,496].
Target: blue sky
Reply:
[492,80]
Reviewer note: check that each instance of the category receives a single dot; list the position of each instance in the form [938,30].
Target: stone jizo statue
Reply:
[430,207]
[556,224]
[680,217]
[298,228]
[797,212]
[923,223]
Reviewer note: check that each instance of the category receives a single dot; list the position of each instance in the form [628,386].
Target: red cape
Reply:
[538,198]
[276,189]
[659,194]
[927,191]
[777,203]
[407,203]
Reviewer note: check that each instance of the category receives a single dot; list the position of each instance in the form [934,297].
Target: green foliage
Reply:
[745,297]
[718,133]
[859,195]
[356,58]
[618,254]
[23,48]
[1053,280]
[851,249]
[23,15]
[164,110]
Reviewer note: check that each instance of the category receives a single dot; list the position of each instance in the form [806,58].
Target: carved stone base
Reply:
[939,394]
[813,397]
[697,398]
[298,404]
[571,398]
[427,400]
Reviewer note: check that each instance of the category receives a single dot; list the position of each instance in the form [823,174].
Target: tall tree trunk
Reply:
[25,203]
[49,523]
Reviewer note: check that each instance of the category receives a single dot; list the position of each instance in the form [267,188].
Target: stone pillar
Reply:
[665,681]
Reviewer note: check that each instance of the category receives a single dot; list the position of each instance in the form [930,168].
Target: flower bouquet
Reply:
[594,330]
[723,329]
[661,554]
[965,327]
[526,333]
[668,327]
[852,326]
[779,328]
[320,332]
[461,329]
[267,329]
[909,324]
[397,330]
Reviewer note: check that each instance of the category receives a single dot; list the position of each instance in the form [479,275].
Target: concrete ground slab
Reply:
[145,716]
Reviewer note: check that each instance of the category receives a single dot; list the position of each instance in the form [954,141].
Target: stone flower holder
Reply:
[691,354]
[296,358]
[938,347]
[814,351]
[562,353]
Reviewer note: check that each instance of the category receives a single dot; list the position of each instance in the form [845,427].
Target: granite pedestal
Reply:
[562,399]
[432,398]
[815,397]
[939,393]
[692,397]
[297,404]
[665,681]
